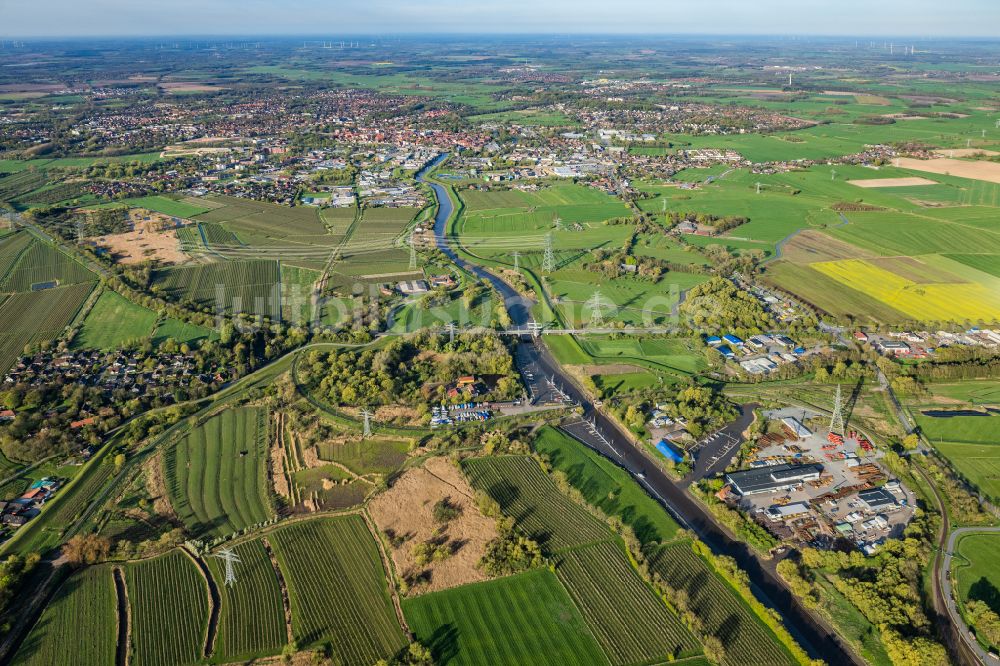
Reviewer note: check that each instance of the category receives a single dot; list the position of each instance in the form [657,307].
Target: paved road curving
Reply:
[948,597]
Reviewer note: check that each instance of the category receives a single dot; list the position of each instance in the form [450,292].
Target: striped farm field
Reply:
[522,620]
[605,485]
[168,601]
[216,475]
[33,316]
[261,217]
[79,626]
[723,613]
[383,223]
[631,622]
[11,247]
[960,302]
[40,264]
[338,588]
[247,285]
[252,617]
[526,494]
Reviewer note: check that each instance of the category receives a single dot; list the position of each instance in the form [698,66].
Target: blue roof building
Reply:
[725,351]
[732,339]
[713,340]
[669,452]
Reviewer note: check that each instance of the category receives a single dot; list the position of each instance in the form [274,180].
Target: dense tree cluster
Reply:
[13,572]
[985,620]
[702,408]
[885,588]
[410,370]
[717,223]
[719,306]
[510,552]
[613,265]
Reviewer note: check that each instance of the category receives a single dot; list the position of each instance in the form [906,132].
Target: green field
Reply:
[723,613]
[522,620]
[976,566]
[114,321]
[180,331]
[987,263]
[606,486]
[296,293]
[11,247]
[974,391]
[963,429]
[168,598]
[168,206]
[978,463]
[382,224]
[905,234]
[41,263]
[373,455]
[678,354]
[216,475]
[248,286]
[338,588]
[252,617]
[632,301]
[35,316]
[79,624]
[261,218]
[567,350]
[526,494]
[630,621]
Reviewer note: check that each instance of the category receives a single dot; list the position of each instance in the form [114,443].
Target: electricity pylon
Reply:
[230,558]
[367,416]
[549,259]
[596,314]
[837,420]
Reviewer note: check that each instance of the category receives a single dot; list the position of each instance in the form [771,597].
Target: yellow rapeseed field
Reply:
[926,302]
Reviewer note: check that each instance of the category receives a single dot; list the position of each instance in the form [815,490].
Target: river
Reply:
[817,640]
[518,307]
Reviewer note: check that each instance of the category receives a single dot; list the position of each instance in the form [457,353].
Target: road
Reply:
[713,453]
[599,432]
[968,648]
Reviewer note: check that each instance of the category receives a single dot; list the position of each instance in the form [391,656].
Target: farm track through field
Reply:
[338,588]
[286,604]
[124,618]
[170,613]
[214,604]
[387,565]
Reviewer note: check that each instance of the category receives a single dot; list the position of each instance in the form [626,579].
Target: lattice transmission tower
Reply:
[230,558]
[837,420]
[549,259]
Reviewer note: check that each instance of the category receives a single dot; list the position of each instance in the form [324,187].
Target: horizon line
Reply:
[793,36]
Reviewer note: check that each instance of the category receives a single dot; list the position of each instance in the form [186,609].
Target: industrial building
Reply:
[772,479]
[877,499]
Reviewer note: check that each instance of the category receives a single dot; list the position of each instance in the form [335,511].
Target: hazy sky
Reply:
[335,17]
